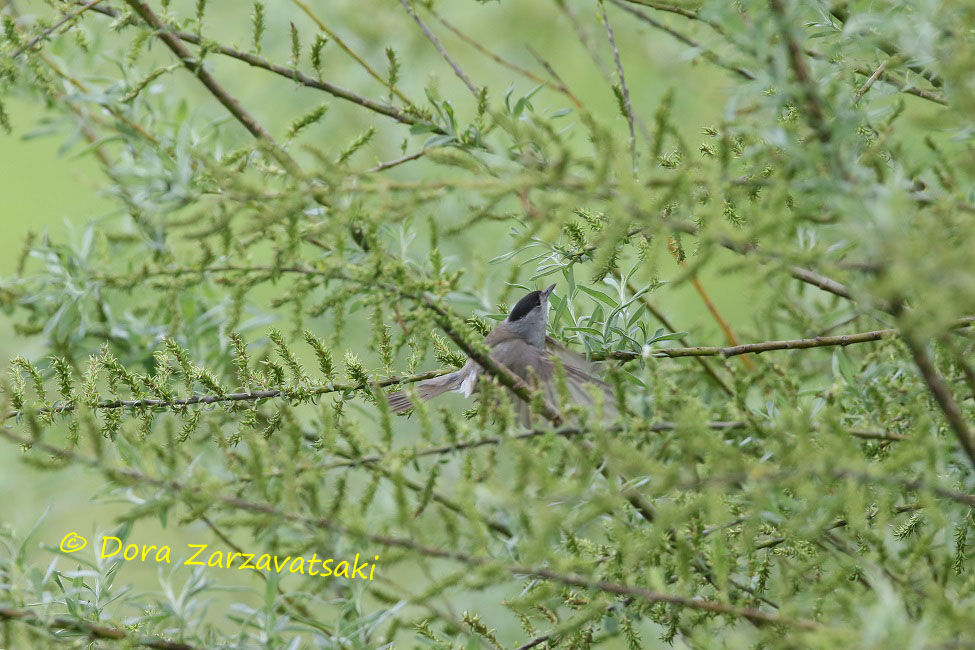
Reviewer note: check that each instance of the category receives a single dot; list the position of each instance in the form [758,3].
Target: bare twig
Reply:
[861,91]
[396,162]
[297,77]
[440,48]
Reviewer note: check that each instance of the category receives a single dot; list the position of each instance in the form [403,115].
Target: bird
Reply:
[520,344]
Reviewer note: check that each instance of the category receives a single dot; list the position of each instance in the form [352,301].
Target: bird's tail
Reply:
[400,401]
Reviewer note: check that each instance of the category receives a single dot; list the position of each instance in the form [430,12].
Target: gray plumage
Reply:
[519,342]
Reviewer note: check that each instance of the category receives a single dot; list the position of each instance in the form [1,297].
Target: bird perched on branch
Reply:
[520,344]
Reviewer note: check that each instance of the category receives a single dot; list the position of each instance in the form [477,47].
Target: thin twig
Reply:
[624,91]
[47,32]
[398,161]
[297,77]
[686,40]
[191,63]
[440,48]
[942,395]
[861,91]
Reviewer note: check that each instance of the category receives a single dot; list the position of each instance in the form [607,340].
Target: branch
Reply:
[92,630]
[440,48]
[296,76]
[47,32]
[195,66]
[942,395]
[706,53]
[765,346]
[285,393]
[816,116]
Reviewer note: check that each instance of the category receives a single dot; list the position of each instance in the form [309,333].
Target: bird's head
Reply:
[527,317]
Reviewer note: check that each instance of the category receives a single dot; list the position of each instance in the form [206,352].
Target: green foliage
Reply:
[814,487]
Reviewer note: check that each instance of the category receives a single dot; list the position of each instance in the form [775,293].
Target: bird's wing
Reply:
[578,373]
[575,365]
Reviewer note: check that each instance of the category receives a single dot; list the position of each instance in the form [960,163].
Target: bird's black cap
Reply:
[529,302]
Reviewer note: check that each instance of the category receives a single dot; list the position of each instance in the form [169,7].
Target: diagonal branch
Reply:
[295,76]
[440,48]
[50,30]
[194,65]
[942,395]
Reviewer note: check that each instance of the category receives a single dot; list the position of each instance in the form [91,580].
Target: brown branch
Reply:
[820,281]
[296,76]
[862,90]
[686,40]
[766,346]
[348,50]
[47,32]
[94,631]
[942,395]
[815,114]
[805,275]
[195,66]
[398,161]
[440,48]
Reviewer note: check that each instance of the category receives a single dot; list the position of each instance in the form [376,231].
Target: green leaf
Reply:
[598,295]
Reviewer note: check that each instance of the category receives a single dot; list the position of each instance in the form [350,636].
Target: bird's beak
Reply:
[547,292]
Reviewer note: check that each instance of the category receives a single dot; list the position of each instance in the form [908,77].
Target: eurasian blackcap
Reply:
[520,344]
